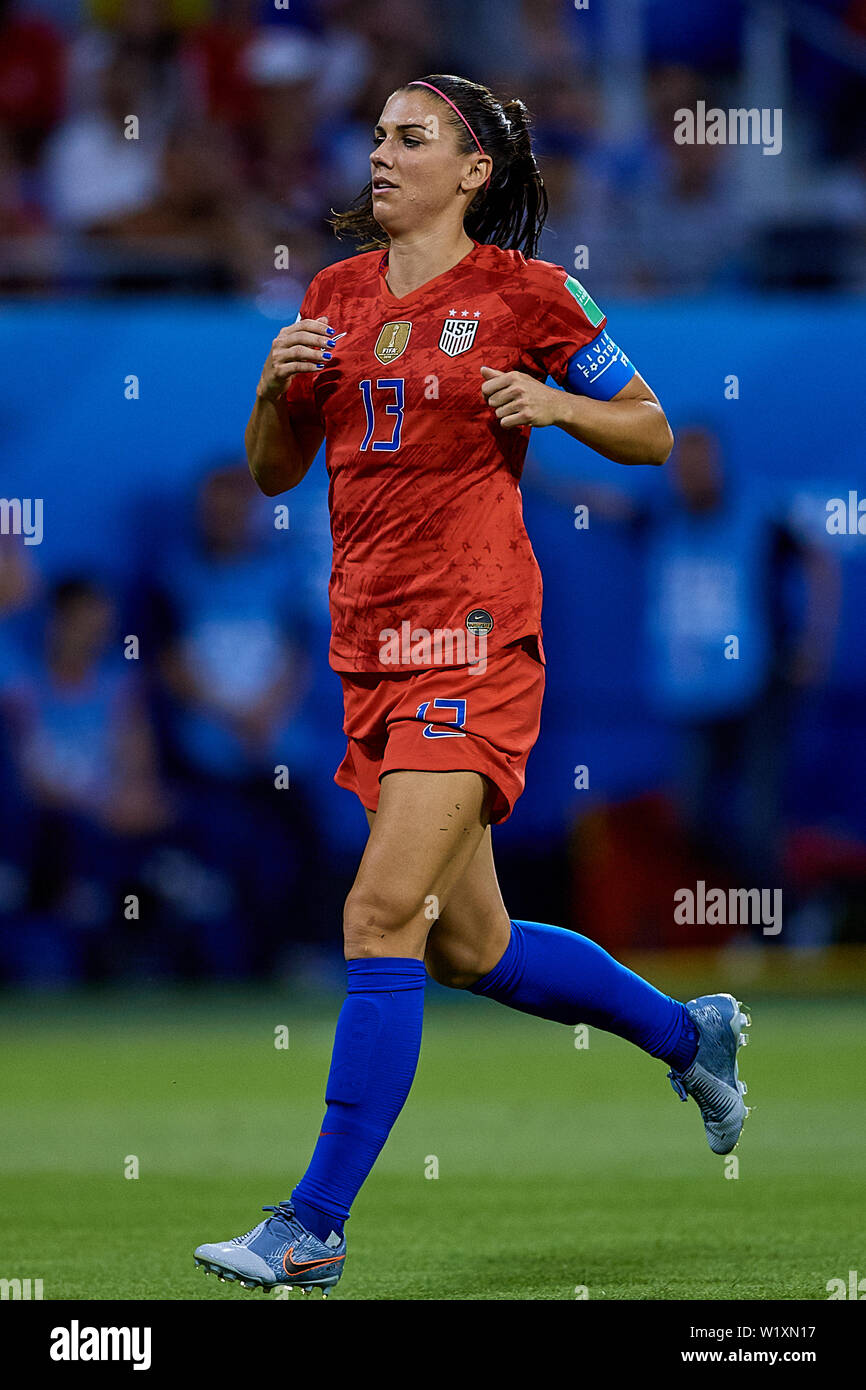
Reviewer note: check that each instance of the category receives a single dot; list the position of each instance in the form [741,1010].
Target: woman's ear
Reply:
[478,175]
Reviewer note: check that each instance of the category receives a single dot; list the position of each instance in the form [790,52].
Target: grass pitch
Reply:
[559,1169]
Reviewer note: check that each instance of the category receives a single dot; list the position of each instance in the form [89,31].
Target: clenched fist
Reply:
[518,399]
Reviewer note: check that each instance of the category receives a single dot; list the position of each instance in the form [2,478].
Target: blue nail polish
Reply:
[331,331]
[327,356]
[332,342]
[319,366]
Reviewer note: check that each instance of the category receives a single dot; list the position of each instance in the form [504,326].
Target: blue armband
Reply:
[600,369]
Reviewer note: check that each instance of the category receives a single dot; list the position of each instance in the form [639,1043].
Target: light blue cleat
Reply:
[278,1253]
[712,1079]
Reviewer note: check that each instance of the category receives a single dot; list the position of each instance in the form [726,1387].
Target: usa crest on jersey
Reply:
[458,335]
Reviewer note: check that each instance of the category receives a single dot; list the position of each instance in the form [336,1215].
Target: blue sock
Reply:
[560,975]
[376,1049]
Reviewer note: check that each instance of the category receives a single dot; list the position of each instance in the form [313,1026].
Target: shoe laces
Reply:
[285,1210]
[676,1082]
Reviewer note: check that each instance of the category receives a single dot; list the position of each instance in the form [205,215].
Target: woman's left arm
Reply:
[630,428]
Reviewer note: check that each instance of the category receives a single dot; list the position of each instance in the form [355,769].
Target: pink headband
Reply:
[459,113]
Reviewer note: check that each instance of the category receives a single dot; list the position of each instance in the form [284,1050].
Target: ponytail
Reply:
[513,211]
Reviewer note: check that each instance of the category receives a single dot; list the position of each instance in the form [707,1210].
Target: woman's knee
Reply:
[372,917]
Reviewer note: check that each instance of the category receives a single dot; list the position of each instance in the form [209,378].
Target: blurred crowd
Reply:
[252,119]
[157,742]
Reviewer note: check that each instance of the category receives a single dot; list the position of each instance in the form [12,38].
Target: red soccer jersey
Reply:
[426,512]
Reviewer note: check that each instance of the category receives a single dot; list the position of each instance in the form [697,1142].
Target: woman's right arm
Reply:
[281,444]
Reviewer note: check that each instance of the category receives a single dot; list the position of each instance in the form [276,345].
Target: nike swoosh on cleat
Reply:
[293,1268]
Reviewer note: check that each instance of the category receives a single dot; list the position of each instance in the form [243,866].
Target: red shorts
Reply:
[445,720]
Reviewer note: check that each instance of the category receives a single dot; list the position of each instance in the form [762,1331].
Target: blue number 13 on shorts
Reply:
[455,725]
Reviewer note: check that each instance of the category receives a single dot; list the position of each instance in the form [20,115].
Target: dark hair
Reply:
[510,212]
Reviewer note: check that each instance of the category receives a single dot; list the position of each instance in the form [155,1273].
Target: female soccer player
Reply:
[422,364]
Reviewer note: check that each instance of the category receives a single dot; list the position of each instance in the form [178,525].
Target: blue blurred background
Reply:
[163,649]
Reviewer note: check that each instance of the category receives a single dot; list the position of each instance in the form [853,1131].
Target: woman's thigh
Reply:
[424,836]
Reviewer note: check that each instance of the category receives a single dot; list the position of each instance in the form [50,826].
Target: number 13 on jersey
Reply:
[391,407]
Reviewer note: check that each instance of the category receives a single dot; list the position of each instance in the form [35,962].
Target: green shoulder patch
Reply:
[586,302]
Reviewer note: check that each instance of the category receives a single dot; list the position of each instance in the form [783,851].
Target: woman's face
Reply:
[416,169]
